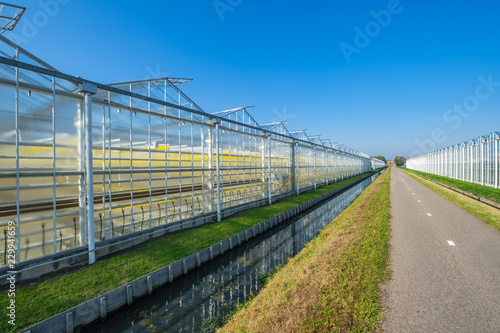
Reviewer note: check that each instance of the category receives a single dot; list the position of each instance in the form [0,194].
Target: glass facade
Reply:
[474,161]
[155,158]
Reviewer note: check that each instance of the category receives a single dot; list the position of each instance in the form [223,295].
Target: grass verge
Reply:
[332,285]
[476,189]
[46,298]
[486,213]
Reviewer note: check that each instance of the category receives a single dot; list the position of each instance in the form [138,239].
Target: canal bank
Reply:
[205,296]
[36,303]
[333,284]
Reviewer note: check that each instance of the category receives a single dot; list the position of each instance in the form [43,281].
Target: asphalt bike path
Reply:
[445,262]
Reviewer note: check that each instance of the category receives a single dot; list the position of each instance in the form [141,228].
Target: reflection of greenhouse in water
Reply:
[154,158]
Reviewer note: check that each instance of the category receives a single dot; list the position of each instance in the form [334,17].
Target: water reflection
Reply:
[199,300]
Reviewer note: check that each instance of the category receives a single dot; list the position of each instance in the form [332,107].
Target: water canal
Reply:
[200,299]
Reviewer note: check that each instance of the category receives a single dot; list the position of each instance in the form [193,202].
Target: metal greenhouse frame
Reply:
[85,166]
[475,161]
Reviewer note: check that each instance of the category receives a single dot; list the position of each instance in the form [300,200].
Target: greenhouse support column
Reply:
[269,168]
[334,166]
[82,197]
[88,90]
[463,162]
[326,166]
[343,165]
[447,163]
[202,140]
[292,169]
[471,166]
[217,167]
[262,167]
[442,163]
[297,170]
[314,167]
[433,165]
[18,184]
[481,151]
[436,164]
[210,182]
[439,164]
[496,163]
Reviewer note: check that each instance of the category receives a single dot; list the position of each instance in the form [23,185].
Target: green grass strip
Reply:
[332,285]
[482,211]
[41,300]
[476,189]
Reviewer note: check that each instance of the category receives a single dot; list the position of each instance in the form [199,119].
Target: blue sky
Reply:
[393,95]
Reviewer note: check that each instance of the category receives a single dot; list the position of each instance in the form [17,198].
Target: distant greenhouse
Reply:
[376,163]
[474,160]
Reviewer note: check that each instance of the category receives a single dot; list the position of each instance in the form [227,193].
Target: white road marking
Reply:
[429,214]
[450,243]
[413,193]
[419,201]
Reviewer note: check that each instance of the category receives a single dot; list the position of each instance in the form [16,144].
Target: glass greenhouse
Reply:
[85,165]
[475,161]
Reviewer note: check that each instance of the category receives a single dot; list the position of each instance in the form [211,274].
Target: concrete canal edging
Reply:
[100,307]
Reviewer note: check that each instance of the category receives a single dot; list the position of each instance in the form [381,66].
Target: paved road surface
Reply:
[445,262]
